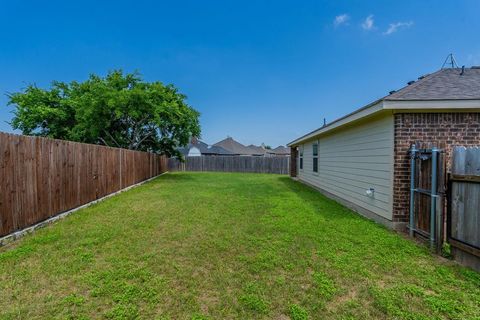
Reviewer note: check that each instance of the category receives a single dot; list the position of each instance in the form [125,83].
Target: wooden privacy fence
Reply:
[463,222]
[279,165]
[40,177]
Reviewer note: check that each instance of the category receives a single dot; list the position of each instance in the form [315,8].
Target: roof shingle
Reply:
[445,84]
[237,148]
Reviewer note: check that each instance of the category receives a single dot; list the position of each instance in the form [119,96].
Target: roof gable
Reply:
[204,149]
[236,147]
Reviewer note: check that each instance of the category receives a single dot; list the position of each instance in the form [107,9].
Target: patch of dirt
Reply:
[207,300]
[340,300]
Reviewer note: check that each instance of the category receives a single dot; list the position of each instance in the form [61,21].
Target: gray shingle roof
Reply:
[445,84]
[257,149]
[205,149]
[280,150]
[236,147]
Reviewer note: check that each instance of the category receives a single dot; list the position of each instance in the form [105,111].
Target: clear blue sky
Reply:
[259,71]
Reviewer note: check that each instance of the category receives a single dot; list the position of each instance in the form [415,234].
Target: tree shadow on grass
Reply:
[176,176]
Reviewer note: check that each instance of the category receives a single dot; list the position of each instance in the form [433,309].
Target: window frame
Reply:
[300,157]
[315,147]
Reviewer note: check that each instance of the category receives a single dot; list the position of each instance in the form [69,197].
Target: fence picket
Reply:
[465,197]
[42,177]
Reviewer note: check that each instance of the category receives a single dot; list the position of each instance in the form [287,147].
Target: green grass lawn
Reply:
[227,246]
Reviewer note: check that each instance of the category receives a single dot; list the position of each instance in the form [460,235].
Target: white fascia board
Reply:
[431,104]
[394,105]
[356,115]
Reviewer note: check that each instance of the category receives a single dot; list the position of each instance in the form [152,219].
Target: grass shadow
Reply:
[176,176]
[314,197]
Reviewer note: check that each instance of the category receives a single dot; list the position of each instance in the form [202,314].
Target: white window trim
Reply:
[300,156]
[317,142]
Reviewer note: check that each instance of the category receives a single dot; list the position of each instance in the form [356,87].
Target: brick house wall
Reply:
[446,130]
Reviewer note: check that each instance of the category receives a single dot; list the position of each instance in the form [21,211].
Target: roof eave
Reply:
[358,114]
[387,104]
[438,104]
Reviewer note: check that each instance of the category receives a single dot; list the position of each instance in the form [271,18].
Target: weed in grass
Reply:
[74,300]
[122,312]
[17,253]
[254,303]
[297,313]
[326,287]
[446,250]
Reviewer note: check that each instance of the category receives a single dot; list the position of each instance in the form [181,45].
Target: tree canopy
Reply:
[118,110]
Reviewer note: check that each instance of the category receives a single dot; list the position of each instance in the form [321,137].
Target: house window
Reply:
[301,157]
[315,157]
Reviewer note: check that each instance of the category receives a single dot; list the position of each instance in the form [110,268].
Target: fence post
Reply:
[434,196]
[120,151]
[413,151]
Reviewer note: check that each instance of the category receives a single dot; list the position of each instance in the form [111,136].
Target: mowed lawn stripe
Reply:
[227,246]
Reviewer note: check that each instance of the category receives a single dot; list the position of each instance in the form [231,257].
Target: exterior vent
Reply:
[424,76]
[392,92]
[410,82]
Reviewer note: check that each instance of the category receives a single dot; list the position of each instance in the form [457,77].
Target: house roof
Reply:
[444,89]
[258,149]
[445,84]
[236,147]
[205,149]
[279,150]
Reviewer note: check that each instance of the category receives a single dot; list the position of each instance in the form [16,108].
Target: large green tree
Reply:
[119,110]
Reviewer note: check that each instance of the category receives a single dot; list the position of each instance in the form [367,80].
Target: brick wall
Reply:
[445,130]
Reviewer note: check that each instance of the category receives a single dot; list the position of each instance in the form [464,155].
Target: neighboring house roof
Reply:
[205,149]
[237,148]
[258,149]
[280,150]
[454,88]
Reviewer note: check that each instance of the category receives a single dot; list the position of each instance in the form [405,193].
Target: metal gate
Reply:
[427,188]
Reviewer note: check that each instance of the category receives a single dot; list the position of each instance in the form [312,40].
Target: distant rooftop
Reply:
[280,150]
[236,147]
[204,148]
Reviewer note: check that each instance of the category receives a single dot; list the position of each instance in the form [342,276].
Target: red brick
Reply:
[446,129]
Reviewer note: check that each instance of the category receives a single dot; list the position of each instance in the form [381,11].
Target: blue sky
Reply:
[259,71]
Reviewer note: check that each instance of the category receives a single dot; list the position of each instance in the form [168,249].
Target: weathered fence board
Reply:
[41,177]
[464,211]
[465,220]
[252,164]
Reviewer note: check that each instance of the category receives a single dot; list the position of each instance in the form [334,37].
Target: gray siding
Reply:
[352,160]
